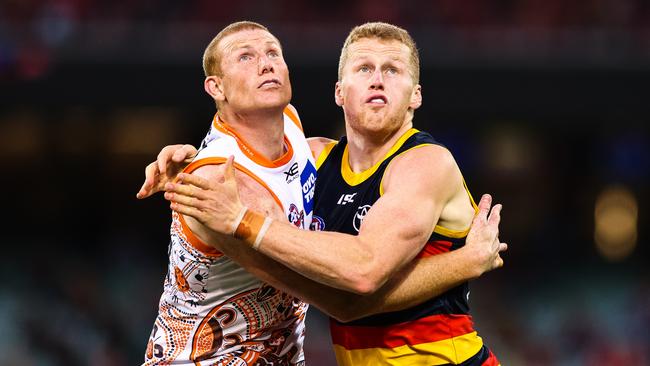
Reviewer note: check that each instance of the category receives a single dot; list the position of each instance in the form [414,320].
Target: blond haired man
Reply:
[388,213]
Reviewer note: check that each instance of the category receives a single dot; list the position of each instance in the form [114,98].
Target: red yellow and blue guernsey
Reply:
[439,331]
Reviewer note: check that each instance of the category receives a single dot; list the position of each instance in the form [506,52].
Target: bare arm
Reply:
[362,263]
[416,283]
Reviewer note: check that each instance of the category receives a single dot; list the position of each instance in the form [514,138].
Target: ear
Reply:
[339,98]
[213,85]
[416,97]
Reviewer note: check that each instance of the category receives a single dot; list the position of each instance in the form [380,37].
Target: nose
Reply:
[264,65]
[377,80]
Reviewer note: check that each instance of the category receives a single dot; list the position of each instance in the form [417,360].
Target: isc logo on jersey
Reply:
[308,183]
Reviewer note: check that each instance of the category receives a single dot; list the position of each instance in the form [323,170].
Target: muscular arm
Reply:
[414,284]
[362,263]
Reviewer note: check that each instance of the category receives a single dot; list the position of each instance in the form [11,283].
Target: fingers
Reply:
[185,152]
[165,156]
[229,172]
[495,215]
[184,189]
[182,199]
[150,172]
[484,207]
[498,262]
[503,247]
[188,211]
[195,180]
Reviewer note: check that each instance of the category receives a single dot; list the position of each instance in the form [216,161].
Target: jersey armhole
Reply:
[324,154]
[458,233]
[194,240]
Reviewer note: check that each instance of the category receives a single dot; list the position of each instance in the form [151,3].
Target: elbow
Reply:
[367,282]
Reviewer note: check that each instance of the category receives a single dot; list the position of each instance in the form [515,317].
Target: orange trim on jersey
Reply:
[249,151]
[434,248]
[292,113]
[197,243]
[424,330]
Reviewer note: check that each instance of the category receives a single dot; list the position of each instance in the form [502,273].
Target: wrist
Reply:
[473,262]
[251,227]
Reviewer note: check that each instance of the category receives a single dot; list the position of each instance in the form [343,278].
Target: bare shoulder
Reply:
[431,167]
[318,144]
[253,193]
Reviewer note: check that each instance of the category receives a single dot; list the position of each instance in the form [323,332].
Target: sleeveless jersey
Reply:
[212,311]
[437,332]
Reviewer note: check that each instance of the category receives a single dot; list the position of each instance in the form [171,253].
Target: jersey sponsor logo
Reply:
[346,198]
[291,173]
[362,211]
[308,183]
[296,217]
[317,223]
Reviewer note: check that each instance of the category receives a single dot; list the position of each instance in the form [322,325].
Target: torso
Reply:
[425,334]
[212,310]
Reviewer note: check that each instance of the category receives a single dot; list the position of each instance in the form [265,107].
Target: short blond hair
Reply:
[211,56]
[386,32]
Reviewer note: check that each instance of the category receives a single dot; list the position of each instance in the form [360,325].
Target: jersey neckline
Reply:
[354,179]
[249,151]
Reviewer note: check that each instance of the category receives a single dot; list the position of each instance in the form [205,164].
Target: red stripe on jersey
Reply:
[491,361]
[434,247]
[428,329]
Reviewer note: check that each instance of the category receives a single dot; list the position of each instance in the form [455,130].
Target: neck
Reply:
[364,151]
[264,132]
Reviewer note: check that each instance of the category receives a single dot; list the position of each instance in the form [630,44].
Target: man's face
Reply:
[376,88]
[254,74]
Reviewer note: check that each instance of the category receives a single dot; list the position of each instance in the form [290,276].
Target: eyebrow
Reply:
[249,46]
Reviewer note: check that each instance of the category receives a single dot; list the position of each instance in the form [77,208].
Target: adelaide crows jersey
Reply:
[437,332]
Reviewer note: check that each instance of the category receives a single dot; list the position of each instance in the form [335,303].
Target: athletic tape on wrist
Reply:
[252,228]
[237,221]
[260,235]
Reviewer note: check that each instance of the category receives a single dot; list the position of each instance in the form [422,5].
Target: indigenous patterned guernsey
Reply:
[214,312]
[438,332]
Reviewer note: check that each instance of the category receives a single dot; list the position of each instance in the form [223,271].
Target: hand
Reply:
[171,160]
[483,237]
[216,205]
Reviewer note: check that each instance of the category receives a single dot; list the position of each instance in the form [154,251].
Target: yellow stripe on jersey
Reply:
[324,154]
[353,179]
[453,350]
[457,233]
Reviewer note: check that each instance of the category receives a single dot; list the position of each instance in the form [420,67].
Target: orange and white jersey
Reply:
[214,312]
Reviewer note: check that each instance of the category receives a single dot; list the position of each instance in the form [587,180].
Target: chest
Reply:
[342,207]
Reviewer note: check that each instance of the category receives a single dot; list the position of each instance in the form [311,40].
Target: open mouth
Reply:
[275,82]
[377,99]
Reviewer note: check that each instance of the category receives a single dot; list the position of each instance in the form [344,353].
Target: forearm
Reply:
[334,302]
[418,282]
[337,260]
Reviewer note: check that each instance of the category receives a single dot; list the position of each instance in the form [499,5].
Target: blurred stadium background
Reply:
[544,103]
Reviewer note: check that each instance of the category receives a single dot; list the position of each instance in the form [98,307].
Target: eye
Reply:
[392,71]
[364,69]
[245,57]
[273,54]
